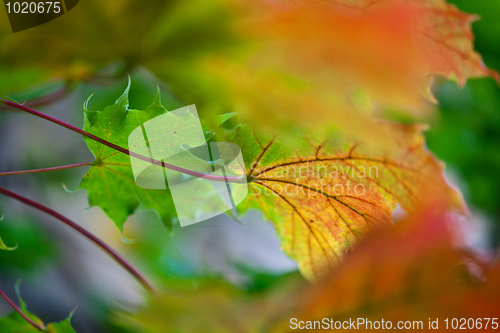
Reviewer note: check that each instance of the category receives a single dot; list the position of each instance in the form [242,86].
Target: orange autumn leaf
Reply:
[447,41]
[387,49]
[406,273]
[372,49]
[444,35]
[325,195]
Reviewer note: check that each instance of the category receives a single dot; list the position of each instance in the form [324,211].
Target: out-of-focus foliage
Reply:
[165,36]
[486,28]
[32,247]
[351,56]
[235,55]
[14,323]
[209,307]
[406,273]
[411,272]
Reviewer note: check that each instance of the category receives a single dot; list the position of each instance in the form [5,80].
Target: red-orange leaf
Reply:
[408,273]
[353,55]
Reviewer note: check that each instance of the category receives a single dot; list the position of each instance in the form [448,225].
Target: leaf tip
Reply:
[122,101]
[18,293]
[86,103]
[157,101]
[67,190]
[221,119]
[72,313]
[125,239]
[7,248]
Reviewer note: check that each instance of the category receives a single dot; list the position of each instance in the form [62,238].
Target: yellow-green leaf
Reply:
[324,195]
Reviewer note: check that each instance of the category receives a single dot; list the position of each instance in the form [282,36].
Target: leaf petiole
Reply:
[123,150]
[62,167]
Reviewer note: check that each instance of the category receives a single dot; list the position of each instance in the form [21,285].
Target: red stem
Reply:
[35,325]
[63,167]
[123,150]
[122,261]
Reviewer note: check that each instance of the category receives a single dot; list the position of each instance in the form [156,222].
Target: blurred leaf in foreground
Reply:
[211,307]
[348,56]
[2,244]
[409,272]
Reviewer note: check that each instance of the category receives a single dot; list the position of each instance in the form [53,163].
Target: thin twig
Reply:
[122,261]
[35,325]
[62,167]
[123,150]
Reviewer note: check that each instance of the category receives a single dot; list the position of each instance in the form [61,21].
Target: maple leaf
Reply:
[14,323]
[110,181]
[410,272]
[444,35]
[349,57]
[324,195]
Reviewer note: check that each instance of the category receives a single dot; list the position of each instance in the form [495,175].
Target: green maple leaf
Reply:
[14,323]
[110,181]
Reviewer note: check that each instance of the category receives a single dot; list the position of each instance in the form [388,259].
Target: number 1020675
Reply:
[42,7]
